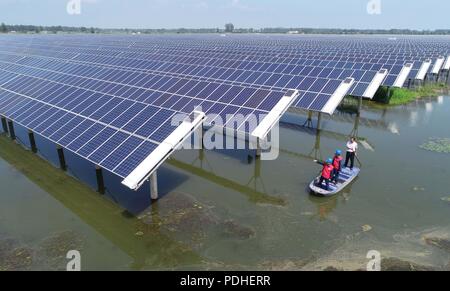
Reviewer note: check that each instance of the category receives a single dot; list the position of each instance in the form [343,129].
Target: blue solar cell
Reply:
[243,96]
[135,158]
[120,153]
[80,140]
[152,124]
[137,121]
[319,102]
[96,141]
[102,152]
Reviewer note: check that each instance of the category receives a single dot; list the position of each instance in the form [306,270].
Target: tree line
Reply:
[229,28]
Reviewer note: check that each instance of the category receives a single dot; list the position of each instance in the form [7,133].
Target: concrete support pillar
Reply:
[319,120]
[198,136]
[359,106]
[32,141]
[62,159]
[4,124]
[100,181]
[12,133]
[154,186]
[258,148]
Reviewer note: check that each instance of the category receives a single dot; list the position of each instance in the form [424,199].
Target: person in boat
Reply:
[327,172]
[352,148]
[337,164]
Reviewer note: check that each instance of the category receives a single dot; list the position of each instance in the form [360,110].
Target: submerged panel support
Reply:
[32,141]
[4,124]
[12,133]
[62,159]
[154,186]
[258,148]
[100,181]
[319,121]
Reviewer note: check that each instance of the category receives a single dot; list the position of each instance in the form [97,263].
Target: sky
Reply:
[362,14]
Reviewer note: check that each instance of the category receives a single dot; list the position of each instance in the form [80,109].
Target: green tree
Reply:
[229,27]
[3,28]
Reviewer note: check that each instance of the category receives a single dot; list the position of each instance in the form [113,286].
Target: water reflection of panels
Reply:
[350,118]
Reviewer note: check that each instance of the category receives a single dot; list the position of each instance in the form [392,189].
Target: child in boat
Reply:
[327,172]
[337,164]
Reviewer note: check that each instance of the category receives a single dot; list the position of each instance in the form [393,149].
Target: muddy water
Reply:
[224,210]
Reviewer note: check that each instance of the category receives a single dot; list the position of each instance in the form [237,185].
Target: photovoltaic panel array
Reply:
[110,99]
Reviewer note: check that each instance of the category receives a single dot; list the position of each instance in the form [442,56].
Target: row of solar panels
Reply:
[117,110]
[261,73]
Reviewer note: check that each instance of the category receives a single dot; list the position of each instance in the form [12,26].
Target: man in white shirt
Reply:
[352,148]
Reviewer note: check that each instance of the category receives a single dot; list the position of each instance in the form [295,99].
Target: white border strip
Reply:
[266,125]
[337,96]
[422,73]
[438,65]
[404,73]
[447,64]
[375,84]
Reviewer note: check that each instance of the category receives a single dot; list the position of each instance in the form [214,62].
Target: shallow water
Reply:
[223,210]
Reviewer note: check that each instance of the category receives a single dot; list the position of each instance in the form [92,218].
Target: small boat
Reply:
[346,177]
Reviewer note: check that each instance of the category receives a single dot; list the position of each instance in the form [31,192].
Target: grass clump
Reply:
[400,96]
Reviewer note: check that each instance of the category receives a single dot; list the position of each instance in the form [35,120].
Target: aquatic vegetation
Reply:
[182,217]
[438,145]
[234,229]
[445,199]
[53,250]
[395,264]
[14,257]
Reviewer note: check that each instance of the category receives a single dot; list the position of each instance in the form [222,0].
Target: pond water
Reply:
[224,210]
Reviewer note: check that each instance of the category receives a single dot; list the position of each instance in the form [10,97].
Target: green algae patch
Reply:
[437,145]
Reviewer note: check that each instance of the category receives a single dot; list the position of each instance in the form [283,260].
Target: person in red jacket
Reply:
[327,173]
[337,164]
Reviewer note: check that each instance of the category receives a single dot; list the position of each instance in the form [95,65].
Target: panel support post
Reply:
[319,120]
[4,124]
[154,186]
[359,106]
[308,122]
[258,148]
[100,181]
[12,133]
[62,159]
[32,141]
